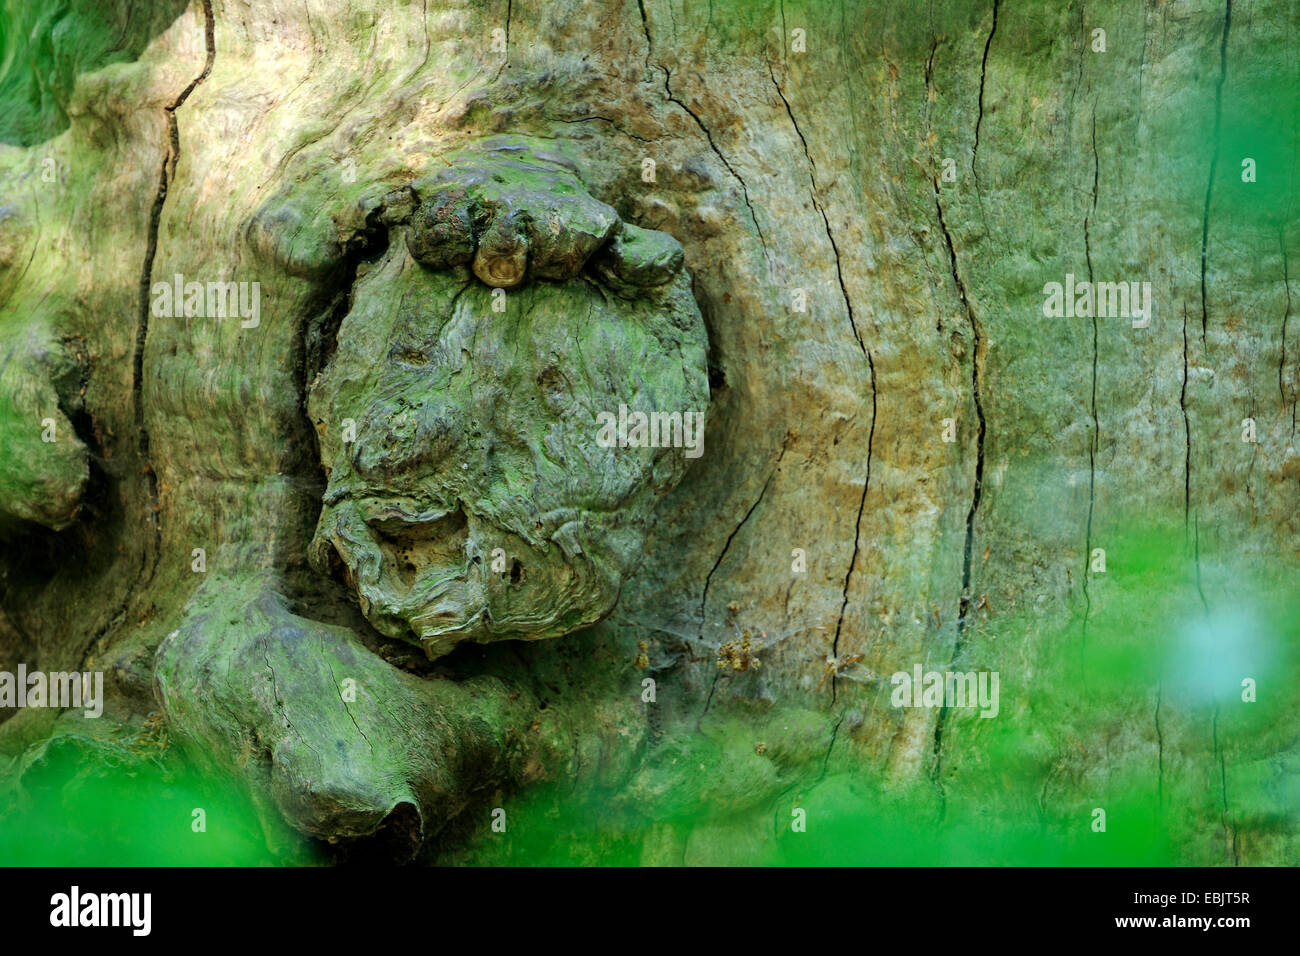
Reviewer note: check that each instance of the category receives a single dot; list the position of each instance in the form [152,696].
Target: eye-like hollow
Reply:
[551,380]
[409,356]
[441,232]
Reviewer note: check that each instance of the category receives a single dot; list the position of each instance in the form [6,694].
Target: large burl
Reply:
[470,494]
[469,497]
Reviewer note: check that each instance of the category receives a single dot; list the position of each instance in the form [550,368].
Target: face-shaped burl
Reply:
[474,490]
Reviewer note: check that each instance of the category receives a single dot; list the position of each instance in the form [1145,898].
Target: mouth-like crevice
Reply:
[412,546]
[397,839]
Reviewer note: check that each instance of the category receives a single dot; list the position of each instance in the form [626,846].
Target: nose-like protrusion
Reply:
[502,257]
